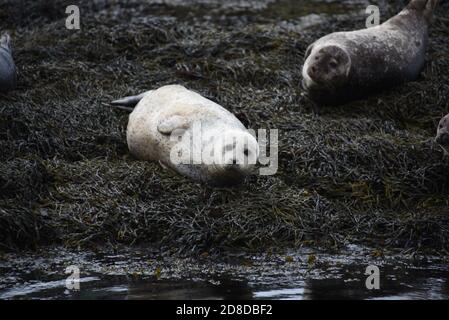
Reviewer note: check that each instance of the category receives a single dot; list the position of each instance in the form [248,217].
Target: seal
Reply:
[345,66]
[190,134]
[8,71]
[442,137]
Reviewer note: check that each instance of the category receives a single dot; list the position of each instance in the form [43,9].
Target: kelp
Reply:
[367,172]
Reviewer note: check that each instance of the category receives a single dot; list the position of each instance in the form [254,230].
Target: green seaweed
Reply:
[367,172]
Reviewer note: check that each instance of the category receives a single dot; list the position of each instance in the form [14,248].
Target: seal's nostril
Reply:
[311,72]
[442,139]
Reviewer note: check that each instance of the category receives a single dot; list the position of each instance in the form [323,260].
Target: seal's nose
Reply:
[312,72]
[443,139]
[237,156]
[242,157]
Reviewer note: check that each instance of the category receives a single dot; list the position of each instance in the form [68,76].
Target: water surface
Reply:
[296,275]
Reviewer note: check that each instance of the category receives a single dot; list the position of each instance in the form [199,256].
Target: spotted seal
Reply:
[344,66]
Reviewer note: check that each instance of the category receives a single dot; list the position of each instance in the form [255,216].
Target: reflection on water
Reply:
[140,274]
[290,294]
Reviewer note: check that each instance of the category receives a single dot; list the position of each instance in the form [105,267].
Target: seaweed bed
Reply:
[366,172]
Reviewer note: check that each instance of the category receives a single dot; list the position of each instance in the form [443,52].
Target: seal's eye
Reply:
[230,147]
[333,63]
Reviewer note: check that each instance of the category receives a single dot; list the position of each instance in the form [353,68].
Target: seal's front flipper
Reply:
[175,122]
[128,103]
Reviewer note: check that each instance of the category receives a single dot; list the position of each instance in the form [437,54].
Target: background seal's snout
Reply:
[442,139]
[311,71]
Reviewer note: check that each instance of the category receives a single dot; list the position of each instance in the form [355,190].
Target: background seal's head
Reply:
[326,68]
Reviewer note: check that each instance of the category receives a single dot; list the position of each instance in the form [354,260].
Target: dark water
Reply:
[303,274]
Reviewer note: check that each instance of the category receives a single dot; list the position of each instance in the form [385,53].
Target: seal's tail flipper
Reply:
[426,6]
[128,103]
[431,5]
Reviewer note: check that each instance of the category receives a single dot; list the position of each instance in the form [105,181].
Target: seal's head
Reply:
[326,67]
[442,137]
[214,153]
[237,152]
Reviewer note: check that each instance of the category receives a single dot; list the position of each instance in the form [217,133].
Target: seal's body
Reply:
[343,66]
[172,120]
[8,72]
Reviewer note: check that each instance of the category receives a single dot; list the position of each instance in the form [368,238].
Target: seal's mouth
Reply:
[442,139]
[309,84]
[227,176]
